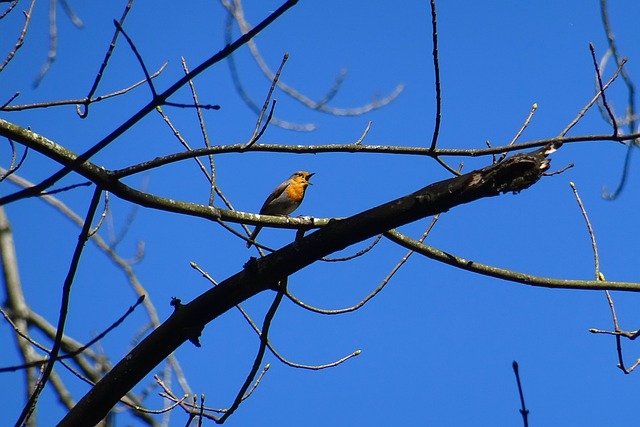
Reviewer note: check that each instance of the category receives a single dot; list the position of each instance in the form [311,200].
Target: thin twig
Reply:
[594,247]
[20,41]
[78,350]
[66,188]
[42,361]
[239,87]
[183,105]
[364,134]
[95,229]
[631,109]
[269,345]
[13,4]
[256,383]
[182,141]
[22,334]
[72,15]
[255,138]
[600,277]
[10,100]
[534,107]
[105,61]
[13,167]
[257,132]
[77,102]
[631,99]
[357,254]
[53,43]
[263,346]
[494,160]
[205,136]
[436,69]
[134,49]
[238,14]
[559,171]
[523,411]
[623,178]
[53,35]
[446,166]
[64,307]
[375,292]
[614,122]
[593,100]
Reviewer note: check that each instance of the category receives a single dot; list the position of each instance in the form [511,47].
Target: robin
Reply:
[284,199]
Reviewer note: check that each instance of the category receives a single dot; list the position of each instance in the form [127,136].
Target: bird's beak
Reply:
[309,177]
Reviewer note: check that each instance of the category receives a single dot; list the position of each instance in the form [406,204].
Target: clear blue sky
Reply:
[437,344]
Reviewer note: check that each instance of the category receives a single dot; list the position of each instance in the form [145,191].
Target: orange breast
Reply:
[295,191]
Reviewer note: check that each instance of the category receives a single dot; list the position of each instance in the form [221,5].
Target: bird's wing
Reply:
[276,193]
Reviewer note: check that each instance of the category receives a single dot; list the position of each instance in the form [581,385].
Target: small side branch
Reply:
[614,122]
[66,293]
[105,61]
[436,69]
[524,411]
[258,360]
[20,41]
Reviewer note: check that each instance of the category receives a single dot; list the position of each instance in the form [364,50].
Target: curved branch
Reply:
[504,274]
[238,14]
[359,148]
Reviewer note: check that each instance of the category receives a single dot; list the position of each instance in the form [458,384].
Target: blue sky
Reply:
[437,343]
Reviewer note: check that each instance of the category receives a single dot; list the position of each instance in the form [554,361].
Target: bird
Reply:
[284,199]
